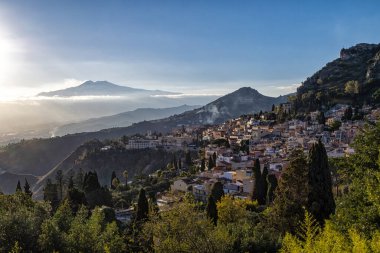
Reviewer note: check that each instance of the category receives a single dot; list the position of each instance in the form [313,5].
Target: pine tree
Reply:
[142,207]
[217,191]
[27,188]
[256,177]
[18,187]
[211,210]
[272,185]
[320,200]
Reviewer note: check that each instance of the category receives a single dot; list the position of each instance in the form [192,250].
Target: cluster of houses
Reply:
[270,143]
[236,144]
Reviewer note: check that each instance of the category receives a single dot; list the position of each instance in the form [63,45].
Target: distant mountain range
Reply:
[121,120]
[40,156]
[101,88]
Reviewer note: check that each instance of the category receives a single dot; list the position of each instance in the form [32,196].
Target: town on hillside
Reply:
[227,153]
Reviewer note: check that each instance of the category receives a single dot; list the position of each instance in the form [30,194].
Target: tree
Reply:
[352,87]
[211,210]
[27,188]
[321,118]
[272,185]
[113,176]
[18,187]
[348,113]
[115,183]
[217,191]
[263,187]
[59,181]
[185,229]
[188,158]
[91,182]
[51,193]
[291,195]
[321,202]
[210,163]
[214,158]
[256,178]
[142,206]
[125,175]
[203,164]
[79,179]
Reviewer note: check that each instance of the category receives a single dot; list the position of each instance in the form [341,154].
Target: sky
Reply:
[203,47]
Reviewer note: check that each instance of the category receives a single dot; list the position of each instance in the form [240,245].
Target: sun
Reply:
[10,52]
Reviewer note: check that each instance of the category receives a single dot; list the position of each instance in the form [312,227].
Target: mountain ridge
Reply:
[101,88]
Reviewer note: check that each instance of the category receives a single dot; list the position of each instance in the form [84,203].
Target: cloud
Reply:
[184,95]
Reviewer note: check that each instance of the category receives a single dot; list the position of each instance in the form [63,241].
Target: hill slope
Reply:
[121,120]
[359,64]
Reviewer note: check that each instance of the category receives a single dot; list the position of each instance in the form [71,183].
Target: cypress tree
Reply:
[217,191]
[142,206]
[320,200]
[18,187]
[262,187]
[27,188]
[188,158]
[203,165]
[272,185]
[175,164]
[212,211]
[180,164]
[210,163]
[256,177]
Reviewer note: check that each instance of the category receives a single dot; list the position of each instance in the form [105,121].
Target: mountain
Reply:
[40,156]
[242,101]
[352,78]
[120,120]
[101,88]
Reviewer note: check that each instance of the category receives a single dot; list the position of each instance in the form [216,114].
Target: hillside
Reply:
[90,157]
[100,88]
[39,156]
[121,120]
[352,78]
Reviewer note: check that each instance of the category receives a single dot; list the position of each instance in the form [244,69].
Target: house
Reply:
[181,185]
[199,192]
[248,185]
